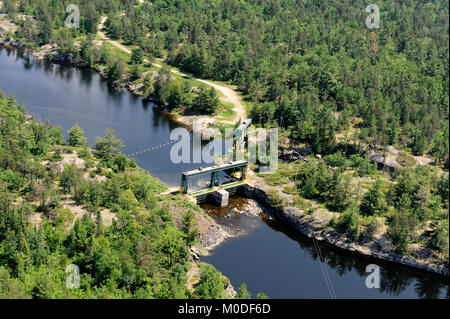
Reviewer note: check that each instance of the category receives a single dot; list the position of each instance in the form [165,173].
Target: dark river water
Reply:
[270,257]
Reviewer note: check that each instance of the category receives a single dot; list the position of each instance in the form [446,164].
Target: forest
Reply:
[141,253]
[410,206]
[310,67]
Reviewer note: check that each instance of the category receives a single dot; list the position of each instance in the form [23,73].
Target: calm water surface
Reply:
[270,257]
[67,95]
[284,264]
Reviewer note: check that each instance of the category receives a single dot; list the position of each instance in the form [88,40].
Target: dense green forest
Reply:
[141,253]
[311,68]
[306,66]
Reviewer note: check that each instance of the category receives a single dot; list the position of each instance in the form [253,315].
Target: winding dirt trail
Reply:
[230,95]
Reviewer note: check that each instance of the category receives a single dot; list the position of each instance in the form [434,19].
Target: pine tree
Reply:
[137,56]
[243,292]
[188,227]
[374,201]
[76,137]
[108,145]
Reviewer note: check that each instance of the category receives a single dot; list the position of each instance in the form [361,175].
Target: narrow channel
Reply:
[267,255]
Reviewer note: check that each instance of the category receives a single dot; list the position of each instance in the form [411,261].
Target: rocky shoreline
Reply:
[217,232]
[307,225]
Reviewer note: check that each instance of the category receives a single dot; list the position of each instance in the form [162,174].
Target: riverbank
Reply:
[212,233]
[49,52]
[316,225]
[229,94]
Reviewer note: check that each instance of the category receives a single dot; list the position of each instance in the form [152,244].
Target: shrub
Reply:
[85,152]
[406,160]
[348,221]
[336,160]
[210,284]
[275,199]
[126,200]
[292,190]
[64,217]
[301,203]
[137,56]
[115,70]
[136,71]
[14,180]
[57,155]
[375,225]
[363,165]
[440,237]
[374,201]
[402,225]
[121,161]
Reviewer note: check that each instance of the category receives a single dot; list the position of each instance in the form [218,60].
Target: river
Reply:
[269,257]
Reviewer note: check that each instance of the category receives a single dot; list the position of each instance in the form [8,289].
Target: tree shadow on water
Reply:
[394,278]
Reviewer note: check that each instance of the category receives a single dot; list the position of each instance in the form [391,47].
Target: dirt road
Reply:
[230,95]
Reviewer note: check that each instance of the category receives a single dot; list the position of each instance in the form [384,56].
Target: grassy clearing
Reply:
[406,160]
[291,190]
[275,198]
[225,111]
[302,203]
[274,179]
[116,52]
[284,175]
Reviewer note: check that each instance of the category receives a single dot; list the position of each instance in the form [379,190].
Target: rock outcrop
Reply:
[295,154]
[379,247]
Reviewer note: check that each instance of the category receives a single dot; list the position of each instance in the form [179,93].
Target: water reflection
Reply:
[280,251]
[68,95]
[86,79]
[394,279]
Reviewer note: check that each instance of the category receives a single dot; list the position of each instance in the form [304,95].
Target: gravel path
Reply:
[230,95]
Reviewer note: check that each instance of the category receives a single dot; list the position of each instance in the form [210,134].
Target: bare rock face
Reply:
[252,209]
[392,150]
[388,158]
[295,154]
[18,44]
[294,212]
[195,253]
[384,243]
[420,252]
[230,292]
[388,161]
[423,160]
[214,236]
